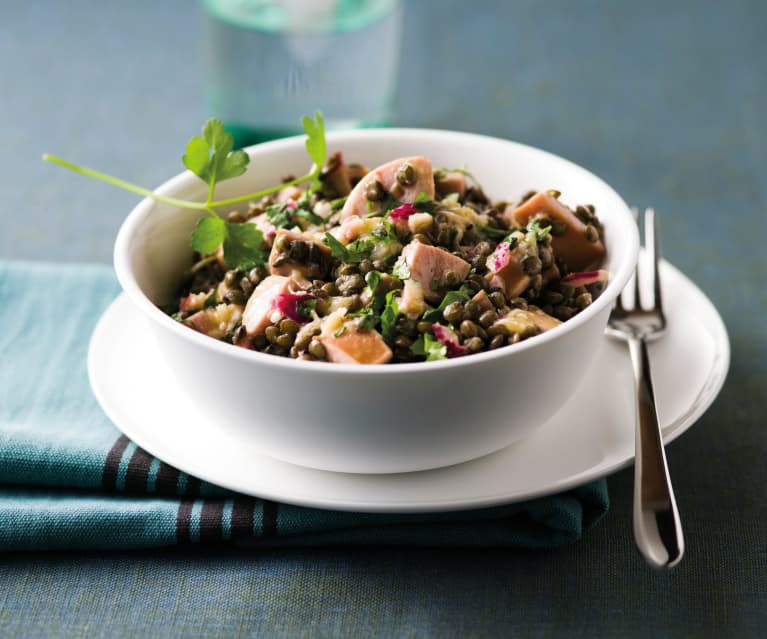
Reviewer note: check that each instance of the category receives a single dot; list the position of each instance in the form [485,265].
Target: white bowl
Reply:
[383,418]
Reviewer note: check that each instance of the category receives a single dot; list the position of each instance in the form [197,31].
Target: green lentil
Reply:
[453,312]
[472,309]
[468,328]
[497,298]
[487,318]
[583,300]
[235,296]
[402,341]
[558,227]
[246,286]
[317,349]
[591,233]
[532,265]
[289,326]
[474,344]
[285,340]
[496,342]
[406,174]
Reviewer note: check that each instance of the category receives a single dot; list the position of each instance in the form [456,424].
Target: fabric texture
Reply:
[70,479]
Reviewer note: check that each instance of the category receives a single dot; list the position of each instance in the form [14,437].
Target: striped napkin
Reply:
[70,479]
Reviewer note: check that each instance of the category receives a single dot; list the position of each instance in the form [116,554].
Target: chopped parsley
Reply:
[354,252]
[430,347]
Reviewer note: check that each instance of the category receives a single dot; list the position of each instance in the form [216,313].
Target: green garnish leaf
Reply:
[338,203]
[373,280]
[283,217]
[211,299]
[211,158]
[462,295]
[385,231]
[491,232]
[316,147]
[340,331]
[430,347]
[387,203]
[353,252]
[389,317]
[307,308]
[401,270]
[243,246]
[442,172]
[337,249]
[424,203]
[360,249]
[534,226]
[209,233]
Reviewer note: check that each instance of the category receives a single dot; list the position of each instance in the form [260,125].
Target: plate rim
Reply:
[705,397]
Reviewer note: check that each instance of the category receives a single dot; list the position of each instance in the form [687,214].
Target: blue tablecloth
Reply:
[666,101]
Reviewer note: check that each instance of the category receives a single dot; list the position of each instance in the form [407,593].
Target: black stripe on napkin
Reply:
[166,483]
[269,519]
[211,517]
[184,522]
[138,471]
[242,517]
[112,463]
[192,486]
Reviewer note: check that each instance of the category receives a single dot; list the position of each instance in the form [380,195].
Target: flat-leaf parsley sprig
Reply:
[212,158]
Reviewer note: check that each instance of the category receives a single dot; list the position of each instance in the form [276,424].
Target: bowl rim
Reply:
[618,276]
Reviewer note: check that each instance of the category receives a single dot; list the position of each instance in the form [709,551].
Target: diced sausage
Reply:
[447,183]
[572,246]
[483,301]
[291,192]
[428,266]
[260,307]
[194,301]
[386,174]
[353,346]
[505,270]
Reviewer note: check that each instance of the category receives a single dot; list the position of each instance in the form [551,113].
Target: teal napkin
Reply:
[70,479]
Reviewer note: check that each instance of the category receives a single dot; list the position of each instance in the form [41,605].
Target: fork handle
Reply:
[657,526]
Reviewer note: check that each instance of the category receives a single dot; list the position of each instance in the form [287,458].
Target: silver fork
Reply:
[657,526]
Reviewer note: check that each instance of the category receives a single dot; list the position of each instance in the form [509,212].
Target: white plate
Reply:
[592,436]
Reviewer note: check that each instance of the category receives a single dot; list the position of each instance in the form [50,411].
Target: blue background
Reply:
[664,100]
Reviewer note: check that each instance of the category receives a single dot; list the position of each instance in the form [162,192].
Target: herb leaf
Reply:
[243,246]
[491,232]
[353,252]
[389,318]
[534,226]
[208,234]
[337,249]
[373,279]
[430,347]
[462,295]
[424,204]
[282,217]
[211,158]
[316,147]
